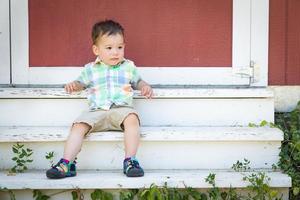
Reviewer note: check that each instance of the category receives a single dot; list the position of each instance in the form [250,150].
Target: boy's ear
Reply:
[95,50]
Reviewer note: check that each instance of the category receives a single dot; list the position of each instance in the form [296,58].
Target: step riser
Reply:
[156,112]
[187,155]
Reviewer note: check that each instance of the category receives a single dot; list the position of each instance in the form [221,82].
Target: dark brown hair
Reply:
[108,27]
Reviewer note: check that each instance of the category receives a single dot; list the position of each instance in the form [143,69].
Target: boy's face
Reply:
[110,49]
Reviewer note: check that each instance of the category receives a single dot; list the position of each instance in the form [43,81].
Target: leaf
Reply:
[296,191]
[74,195]
[14,158]
[29,154]
[263,123]
[24,152]
[15,150]
[252,125]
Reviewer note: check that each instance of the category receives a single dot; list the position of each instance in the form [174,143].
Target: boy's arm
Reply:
[145,89]
[74,86]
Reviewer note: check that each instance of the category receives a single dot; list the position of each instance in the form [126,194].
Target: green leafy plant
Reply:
[189,193]
[128,194]
[50,156]
[101,195]
[21,158]
[241,166]
[11,194]
[153,192]
[77,195]
[262,124]
[38,195]
[214,193]
[289,161]
[259,185]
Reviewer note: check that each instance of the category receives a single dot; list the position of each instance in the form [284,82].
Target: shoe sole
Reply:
[56,176]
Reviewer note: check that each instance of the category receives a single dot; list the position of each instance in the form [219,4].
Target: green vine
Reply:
[260,187]
[262,124]
[289,162]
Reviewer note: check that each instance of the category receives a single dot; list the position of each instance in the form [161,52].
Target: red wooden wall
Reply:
[161,33]
[158,33]
[284,42]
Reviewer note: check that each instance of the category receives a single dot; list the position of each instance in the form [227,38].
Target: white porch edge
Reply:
[251,11]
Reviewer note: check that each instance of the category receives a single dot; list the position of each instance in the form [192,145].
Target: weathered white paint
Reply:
[156,154]
[19,41]
[155,112]
[4,43]
[191,145]
[194,107]
[260,41]
[286,97]
[242,21]
[159,93]
[241,34]
[148,134]
[116,180]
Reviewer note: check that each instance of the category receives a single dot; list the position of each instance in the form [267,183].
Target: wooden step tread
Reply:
[56,134]
[92,179]
[59,93]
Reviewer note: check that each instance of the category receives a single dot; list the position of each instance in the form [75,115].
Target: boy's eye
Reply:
[120,47]
[109,48]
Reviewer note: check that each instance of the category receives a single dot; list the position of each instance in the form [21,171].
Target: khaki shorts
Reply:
[104,120]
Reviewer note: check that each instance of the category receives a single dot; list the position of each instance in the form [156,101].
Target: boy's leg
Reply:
[131,135]
[75,139]
[66,166]
[131,166]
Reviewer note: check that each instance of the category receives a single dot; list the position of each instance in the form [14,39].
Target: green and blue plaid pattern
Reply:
[108,85]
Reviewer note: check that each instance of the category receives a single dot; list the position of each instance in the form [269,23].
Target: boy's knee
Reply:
[131,119]
[81,126]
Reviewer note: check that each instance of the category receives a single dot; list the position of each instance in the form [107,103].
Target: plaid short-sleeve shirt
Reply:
[108,85]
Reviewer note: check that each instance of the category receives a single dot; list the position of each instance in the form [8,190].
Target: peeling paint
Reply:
[158,93]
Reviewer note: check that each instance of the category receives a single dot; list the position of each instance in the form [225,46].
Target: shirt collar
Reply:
[99,61]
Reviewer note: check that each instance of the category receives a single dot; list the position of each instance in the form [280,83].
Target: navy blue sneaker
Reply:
[61,170]
[132,168]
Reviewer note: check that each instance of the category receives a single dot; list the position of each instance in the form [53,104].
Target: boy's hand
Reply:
[73,87]
[147,91]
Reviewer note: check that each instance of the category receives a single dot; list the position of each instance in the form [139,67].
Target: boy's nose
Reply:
[115,52]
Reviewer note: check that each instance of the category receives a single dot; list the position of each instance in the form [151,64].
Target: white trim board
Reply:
[243,24]
[4,43]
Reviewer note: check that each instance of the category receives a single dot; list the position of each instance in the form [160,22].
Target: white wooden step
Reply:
[194,147]
[92,179]
[169,107]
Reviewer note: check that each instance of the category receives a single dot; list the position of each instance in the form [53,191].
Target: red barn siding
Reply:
[158,33]
[284,42]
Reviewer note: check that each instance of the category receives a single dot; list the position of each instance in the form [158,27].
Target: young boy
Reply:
[110,81]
